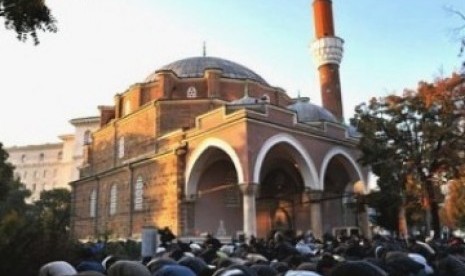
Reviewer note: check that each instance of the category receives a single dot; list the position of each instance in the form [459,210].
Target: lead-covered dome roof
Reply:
[195,67]
[308,112]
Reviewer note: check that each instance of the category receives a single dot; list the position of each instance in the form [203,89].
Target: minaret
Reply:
[327,51]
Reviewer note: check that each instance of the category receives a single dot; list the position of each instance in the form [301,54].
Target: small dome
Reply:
[308,112]
[195,67]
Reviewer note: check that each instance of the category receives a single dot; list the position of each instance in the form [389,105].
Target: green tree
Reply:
[31,234]
[419,135]
[26,17]
[54,207]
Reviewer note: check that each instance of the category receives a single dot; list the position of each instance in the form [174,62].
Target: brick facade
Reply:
[194,141]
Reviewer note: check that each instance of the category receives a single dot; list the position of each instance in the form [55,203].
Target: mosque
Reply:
[207,145]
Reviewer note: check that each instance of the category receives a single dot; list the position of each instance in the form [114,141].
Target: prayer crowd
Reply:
[282,253]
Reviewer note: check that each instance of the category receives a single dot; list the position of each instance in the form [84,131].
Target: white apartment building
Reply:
[52,165]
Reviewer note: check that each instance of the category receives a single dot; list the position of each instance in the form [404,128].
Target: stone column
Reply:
[249,191]
[364,223]
[188,217]
[316,213]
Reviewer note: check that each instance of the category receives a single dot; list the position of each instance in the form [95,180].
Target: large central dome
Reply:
[195,68]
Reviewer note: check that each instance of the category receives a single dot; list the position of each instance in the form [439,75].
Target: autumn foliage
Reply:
[453,212]
[414,142]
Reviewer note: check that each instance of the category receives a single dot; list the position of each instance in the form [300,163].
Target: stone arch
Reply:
[303,159]
[198,160]
[332,153]
[340,176]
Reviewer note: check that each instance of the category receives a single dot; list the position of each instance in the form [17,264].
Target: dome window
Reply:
[191,92]
[265,98]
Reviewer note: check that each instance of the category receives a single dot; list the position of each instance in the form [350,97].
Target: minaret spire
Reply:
[204,49]
[327,51]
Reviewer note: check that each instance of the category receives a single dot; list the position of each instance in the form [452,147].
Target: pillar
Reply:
[188,217]
[364,223]
[249,191]
[316,217]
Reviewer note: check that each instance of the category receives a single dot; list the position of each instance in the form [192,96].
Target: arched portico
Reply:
[285,172]
[330,155]
[300,154]
[212,177]
[200,158]
[338,174]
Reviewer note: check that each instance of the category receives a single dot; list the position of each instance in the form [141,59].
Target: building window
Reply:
[191,92]
[265,98]
[121,147]
[113,198]
[34,186]
[45,173]
[139,193]
[24,174]
[60,155]
[87,137]
[93,203]
[41,156]
[23,158]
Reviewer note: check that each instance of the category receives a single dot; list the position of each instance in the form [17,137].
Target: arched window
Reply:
[139,193]
[265,98]
[45,173]
[113,198]
[87,137]
[60,155]
[41,156]
[93,203]
[121,147]
[23,158]
[191,92]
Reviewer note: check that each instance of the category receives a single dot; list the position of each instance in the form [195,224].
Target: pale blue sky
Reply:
[104,46]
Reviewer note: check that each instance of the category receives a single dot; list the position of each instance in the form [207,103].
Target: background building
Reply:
[49,166]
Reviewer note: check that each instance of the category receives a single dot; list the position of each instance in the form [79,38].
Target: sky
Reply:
[104,46]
